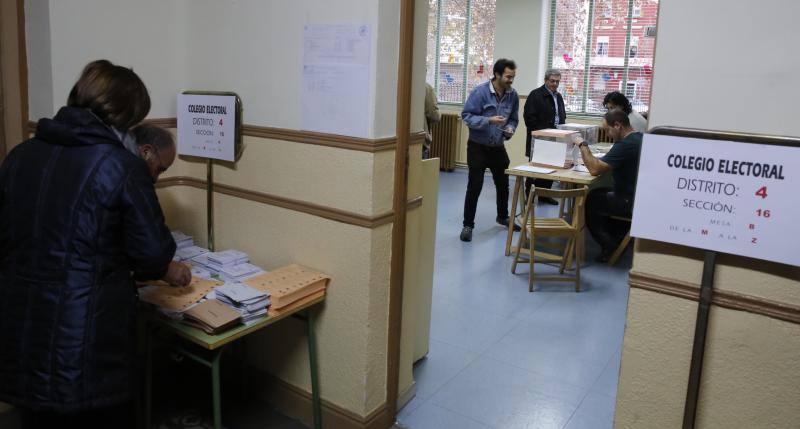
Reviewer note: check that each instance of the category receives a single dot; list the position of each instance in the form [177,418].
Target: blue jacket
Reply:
[481,105]
[79,218]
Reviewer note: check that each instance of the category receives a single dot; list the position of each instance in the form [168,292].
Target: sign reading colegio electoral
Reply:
[207,125]
[726,196]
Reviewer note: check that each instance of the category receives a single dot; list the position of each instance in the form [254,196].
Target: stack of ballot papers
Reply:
[186,249]
[231,265]
[173,301]
[182,240]
[251,304]
[189,252]
[226,258]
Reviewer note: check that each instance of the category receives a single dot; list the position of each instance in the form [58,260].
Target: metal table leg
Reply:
[148,380]
[215,389]
[312,359]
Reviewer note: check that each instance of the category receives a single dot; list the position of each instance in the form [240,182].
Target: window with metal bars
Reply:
[602,46]
[460,46]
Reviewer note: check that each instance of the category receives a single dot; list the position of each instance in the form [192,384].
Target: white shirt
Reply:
[638,122]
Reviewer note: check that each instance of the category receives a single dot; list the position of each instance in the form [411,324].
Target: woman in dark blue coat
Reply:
[79,221]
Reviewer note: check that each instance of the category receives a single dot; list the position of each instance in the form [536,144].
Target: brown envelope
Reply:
[211,316]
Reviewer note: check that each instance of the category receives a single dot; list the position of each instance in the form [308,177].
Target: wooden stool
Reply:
[623,244]
[569,226]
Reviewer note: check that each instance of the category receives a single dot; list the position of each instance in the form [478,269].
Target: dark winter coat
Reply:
[79,218]
[540,113]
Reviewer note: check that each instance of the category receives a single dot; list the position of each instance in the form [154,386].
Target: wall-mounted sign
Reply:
[209,125]
[731,197]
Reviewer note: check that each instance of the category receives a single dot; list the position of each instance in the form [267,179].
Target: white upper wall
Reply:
[141,34]
[252,47]
[40,69]
[521,34]
[729,66]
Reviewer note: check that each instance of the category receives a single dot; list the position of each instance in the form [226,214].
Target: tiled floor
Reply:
[501,357]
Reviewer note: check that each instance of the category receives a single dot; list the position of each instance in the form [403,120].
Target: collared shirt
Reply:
[482,104]
[555,104]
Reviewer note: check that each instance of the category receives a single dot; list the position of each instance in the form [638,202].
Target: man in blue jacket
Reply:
[79,221]
[491,113]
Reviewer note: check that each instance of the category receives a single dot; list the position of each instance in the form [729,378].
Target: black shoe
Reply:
[504,222]
[466,234]
[603,257]
[548,200]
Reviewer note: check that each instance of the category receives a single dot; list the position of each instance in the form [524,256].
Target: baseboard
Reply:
[406,396]
[296,403]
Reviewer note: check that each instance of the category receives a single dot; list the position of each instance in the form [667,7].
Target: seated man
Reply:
[623,162]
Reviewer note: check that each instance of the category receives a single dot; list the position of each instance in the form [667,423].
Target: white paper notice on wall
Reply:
[206,126]
[335,96]
[731,197]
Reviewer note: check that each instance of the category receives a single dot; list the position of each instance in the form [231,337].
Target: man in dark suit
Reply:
[544,109]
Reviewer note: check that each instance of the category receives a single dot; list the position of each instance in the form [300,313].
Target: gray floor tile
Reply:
[468,328]
[503,396]
[550,357]
[429,416]
[609,379]
[595,412]
[443,362]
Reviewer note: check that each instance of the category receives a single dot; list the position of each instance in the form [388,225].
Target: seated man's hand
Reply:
[576,139]
[178,274]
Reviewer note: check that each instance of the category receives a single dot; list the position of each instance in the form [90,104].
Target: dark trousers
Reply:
[602,203]
[479,158]
[119,416]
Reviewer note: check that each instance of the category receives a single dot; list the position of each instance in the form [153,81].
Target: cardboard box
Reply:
[588,132]
[553,148]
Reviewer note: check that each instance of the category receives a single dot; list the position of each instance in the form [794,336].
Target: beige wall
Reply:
[12,100]
[751,372]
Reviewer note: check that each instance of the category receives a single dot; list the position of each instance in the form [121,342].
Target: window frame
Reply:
[602,41]
[589,51]
[437,62]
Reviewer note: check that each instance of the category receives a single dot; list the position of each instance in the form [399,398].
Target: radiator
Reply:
[446,135]
[602,136]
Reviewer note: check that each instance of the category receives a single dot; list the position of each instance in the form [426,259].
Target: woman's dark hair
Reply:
[114,93]
[154,135]
[501,65]
[619,100]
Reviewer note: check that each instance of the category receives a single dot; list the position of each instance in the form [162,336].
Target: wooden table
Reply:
[213,346]
[568,176]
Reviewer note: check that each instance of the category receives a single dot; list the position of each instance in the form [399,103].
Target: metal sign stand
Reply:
[698,349]
[210,202]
